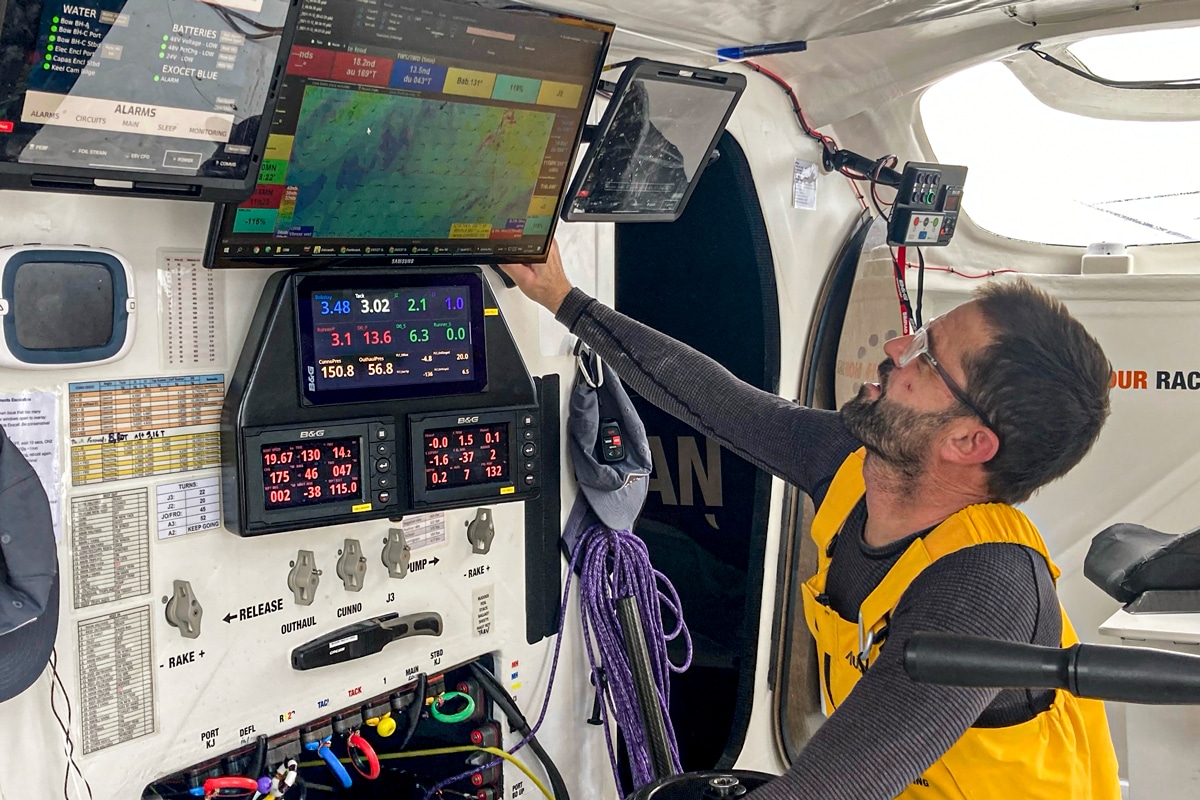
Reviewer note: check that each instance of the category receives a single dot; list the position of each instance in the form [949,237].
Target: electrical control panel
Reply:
[928,202]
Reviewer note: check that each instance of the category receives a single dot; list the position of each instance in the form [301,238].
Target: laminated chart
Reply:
[144,427]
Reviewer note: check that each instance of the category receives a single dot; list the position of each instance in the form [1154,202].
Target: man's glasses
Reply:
[919,346]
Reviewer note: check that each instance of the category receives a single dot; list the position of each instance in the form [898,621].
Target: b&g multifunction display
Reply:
[394,337]
[391,337]
[308,473]
[467,456]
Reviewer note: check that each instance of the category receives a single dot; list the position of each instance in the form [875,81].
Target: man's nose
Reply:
[892,348]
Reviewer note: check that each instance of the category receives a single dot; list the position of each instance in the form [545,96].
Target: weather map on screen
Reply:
[354,144]
[427,132]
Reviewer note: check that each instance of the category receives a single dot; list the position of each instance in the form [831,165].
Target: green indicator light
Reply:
[52,37]
[54,20]
[156,79]
[45,66]
[54,29]
[49,48]
[163,47]
[166,38]
[162,55]
[48,56]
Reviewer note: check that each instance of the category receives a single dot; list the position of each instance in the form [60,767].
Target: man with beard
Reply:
[914,482]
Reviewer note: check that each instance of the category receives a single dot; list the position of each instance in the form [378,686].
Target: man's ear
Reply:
[970,443]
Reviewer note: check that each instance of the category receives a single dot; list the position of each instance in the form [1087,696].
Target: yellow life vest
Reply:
[1064,753]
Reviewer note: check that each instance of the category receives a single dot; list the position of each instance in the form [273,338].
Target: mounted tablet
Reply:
[147,98]
[448,144]
[63,305]
[653,143]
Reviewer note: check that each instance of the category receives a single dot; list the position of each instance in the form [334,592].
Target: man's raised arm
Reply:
[773,433]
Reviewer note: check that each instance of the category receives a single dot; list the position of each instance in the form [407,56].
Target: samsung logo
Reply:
[312,434]
[404,261]
[465,420]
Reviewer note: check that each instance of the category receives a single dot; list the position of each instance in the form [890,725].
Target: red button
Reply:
[6,126]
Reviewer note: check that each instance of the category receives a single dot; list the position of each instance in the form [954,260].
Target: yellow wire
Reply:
[441,751]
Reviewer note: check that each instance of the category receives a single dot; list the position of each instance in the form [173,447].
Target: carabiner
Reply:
[591,370]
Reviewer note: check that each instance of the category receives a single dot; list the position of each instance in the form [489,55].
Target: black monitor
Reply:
[653,143]
[155,98]
[417,132]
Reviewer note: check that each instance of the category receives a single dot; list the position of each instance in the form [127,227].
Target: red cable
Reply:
[826,141]
[953,271]
[901,291]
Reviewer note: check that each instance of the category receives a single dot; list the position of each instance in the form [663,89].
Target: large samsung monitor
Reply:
[417,132]
[152,98]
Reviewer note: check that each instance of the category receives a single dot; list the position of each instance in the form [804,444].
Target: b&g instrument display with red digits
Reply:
[310,473]
[466,456]
[475,456]
[320,474]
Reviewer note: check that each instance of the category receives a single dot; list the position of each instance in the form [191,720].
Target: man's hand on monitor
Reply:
[545,284]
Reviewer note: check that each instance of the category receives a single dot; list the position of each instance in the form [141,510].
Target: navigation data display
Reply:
[311,472]
[466,456]
[386,338]
[417,131]
[157,91]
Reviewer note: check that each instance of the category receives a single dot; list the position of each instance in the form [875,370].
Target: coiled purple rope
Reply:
[630,568]
[616,564]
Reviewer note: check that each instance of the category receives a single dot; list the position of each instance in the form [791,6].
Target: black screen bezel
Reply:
[130,183]
[224,213]
[732,83]
[306,285]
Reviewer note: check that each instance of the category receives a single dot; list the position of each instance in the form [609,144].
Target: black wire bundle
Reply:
[414,711]
[500,696]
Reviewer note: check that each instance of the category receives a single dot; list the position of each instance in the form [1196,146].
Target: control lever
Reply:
[480,532]
[352,566]
[364,638]
[304,578]
[184,611]
[396,553]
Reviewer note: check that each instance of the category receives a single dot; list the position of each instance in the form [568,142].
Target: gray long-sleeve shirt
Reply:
[889,729]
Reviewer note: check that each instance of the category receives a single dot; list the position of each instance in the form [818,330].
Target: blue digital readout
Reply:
[330,306]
